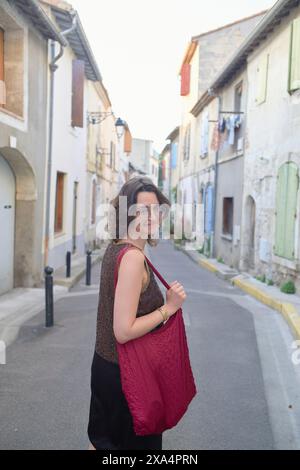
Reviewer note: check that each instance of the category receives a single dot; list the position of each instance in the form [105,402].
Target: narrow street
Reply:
[248,387]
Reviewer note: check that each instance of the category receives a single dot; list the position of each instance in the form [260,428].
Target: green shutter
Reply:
[262,79]
[294,63]
[291,208]
[286,206]
[280,209]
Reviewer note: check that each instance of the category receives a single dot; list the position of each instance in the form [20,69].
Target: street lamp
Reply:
[120,124]
[96,117]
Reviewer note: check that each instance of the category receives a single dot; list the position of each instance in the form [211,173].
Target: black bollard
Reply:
[68,264]
[88,267]
[49,295]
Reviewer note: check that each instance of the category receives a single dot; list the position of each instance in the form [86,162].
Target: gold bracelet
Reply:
[164,313]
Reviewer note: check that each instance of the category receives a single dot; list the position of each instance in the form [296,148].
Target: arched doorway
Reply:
[18,266]
[7,223]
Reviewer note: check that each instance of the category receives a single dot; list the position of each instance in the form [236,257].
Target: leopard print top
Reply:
[151,297]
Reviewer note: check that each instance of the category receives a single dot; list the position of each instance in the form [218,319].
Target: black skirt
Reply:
[110,422]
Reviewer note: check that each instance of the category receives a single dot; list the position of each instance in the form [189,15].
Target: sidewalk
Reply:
[287,304]
[22,303]
[78,268]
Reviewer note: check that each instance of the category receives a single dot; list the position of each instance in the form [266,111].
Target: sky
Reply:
[139,47]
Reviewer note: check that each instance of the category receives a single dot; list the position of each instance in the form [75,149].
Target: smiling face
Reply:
[148,216]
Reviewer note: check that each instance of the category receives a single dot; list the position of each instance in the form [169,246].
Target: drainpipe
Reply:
[53,67]
[213,244]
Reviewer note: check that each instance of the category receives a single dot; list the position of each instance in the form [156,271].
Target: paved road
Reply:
[248,387]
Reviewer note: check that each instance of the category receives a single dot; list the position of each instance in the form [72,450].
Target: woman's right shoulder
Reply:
[133,258]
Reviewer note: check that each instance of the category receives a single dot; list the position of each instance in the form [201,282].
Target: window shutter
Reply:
[93,219]
[127,141]
[163,169]
[59,202]
[208,206]
[185,79]
[280,210]
[262,79]
[286,205]
[174,154]
[294,73]
[188,141]
[77,92]
[290,212]
[111,154]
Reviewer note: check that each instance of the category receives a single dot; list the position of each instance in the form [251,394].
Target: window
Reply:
[77,93]
[94,195]
[262,79]
[12,67]
[174,154]
[186,144]
[112,155]
[59,200]
[294,57]
[228,216]
[286,208]
[163,169]
[238,137]
[204,137]
[238,91]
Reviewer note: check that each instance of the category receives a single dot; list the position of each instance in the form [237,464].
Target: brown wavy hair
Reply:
[131,189]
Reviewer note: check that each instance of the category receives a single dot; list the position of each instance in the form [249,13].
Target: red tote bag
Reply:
[156,375]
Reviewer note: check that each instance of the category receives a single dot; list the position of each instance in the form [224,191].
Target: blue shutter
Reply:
[174,154]
[208,206]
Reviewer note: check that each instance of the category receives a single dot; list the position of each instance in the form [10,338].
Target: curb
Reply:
[71,281]
[206,264]
[288,311]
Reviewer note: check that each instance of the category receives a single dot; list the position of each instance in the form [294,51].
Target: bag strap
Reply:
[119,257]
[158,274]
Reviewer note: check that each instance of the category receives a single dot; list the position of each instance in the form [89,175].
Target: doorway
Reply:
[7,224]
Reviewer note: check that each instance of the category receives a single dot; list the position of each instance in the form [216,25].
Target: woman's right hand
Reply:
[175,297]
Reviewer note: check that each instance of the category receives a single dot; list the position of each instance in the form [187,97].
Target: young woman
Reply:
[128,312]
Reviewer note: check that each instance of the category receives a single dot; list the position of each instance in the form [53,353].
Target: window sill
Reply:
[74,131]
[226,236]
[287,263]
[59,234]
[232,156]
[9,113]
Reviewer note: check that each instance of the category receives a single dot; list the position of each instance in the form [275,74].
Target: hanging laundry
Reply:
[221,124]
[230,127]
[238,120]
